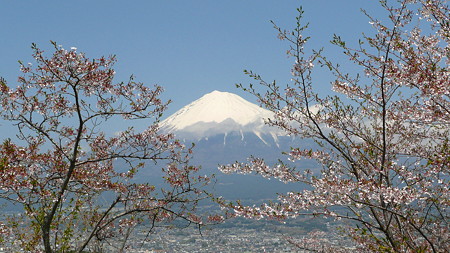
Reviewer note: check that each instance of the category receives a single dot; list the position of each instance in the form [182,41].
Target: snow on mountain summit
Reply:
[216,107]
[219,113]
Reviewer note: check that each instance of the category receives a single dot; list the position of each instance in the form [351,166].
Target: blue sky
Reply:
[189,47]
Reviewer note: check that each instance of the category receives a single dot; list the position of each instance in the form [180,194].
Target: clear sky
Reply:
[189,47]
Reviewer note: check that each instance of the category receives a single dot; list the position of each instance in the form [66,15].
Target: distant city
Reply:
[239,235]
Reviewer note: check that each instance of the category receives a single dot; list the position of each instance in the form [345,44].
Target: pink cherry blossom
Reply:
[62,163]
[382,140]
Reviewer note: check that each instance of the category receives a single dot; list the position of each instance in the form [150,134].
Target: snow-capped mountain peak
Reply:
[219,113]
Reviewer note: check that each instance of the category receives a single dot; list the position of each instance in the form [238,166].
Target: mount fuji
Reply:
[227,128]
[222,114]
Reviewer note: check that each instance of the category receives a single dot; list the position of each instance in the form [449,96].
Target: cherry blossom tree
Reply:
[63,165]
[382,139]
